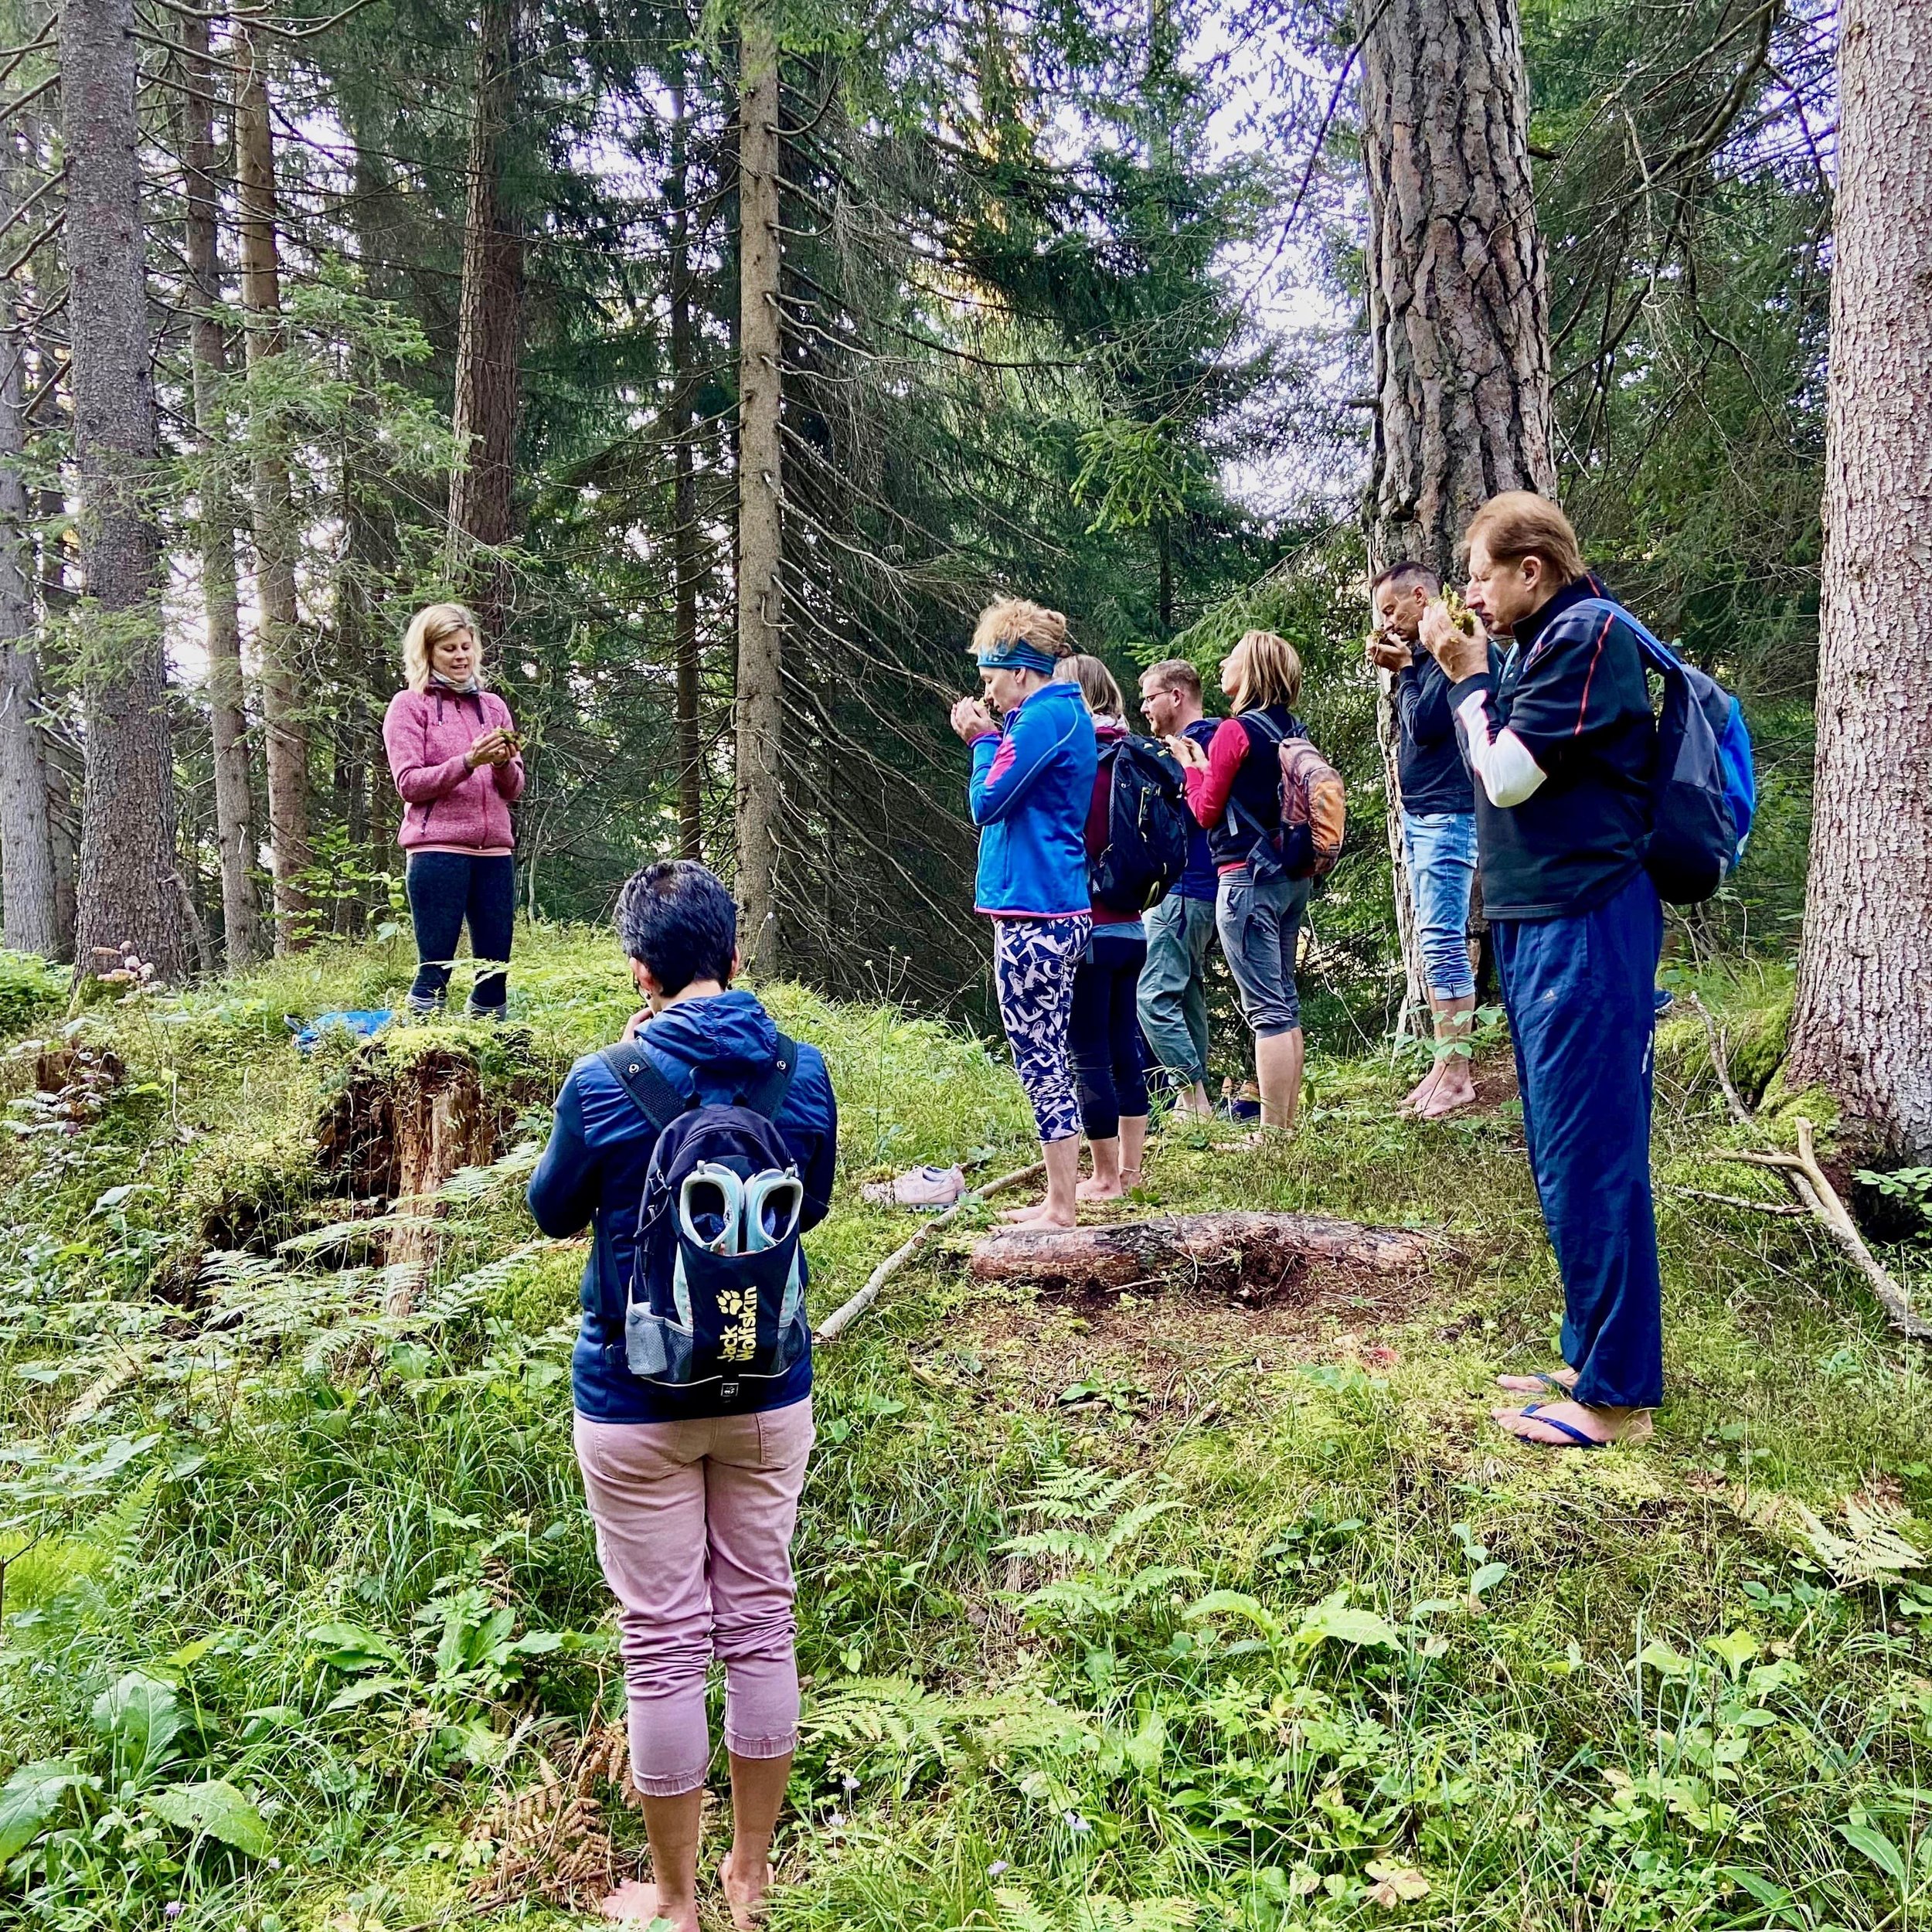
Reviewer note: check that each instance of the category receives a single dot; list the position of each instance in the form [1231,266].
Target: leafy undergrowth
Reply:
[1159,1611]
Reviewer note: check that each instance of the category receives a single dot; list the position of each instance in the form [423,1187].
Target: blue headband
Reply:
[1017,655]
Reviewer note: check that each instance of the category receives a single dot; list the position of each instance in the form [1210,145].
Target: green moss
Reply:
[29,987]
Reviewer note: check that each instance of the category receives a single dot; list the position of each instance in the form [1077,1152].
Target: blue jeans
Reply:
[1258,924]
[1173,991]
[1579,993]
[445,888]
[1440,849]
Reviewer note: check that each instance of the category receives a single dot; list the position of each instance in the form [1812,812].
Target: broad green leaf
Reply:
[1334,1618]
[1759,1887]
[1487,1578]
[30,1797]
[351,1647]
[1235,1603]
[361,1692]
[1736,1649]
[1877,1847]
[214,1809]
[140,1717]
[1661,1658]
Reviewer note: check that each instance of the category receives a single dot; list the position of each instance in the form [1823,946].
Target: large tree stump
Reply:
[1251,1255]
[442,1123]
[415,1108]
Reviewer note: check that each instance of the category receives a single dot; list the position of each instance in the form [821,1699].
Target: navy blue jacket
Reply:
[1429,761]
[1030,791]
[593,1172]
[1571,687]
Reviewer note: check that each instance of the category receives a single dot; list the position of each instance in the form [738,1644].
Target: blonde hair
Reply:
[1010,620]
[1271,671]
[428,627]
[1520,523]
[1097,683]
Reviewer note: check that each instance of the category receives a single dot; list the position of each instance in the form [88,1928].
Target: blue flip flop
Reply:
[1575,1434]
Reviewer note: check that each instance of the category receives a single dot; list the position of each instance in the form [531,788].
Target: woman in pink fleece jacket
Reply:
[452,753]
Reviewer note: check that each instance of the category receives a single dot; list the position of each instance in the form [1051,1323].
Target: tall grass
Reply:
[1132,1617]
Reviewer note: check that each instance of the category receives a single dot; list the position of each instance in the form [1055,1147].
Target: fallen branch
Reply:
[841,1318]
[1264,1249]
[1732,1099]
[1740,1200]
[1813,1186]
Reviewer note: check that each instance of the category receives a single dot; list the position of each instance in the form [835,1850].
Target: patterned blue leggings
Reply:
[1033,964]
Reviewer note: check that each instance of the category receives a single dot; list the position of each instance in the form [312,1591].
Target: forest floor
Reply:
[1137,1611]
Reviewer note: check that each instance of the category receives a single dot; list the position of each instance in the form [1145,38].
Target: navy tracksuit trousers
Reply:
[1579,995]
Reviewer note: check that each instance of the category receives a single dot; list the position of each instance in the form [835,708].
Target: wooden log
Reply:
[1262,1253]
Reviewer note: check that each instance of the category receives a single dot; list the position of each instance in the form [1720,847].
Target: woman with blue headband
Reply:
[1032,784]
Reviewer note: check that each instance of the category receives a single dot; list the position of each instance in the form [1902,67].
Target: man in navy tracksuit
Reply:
[1561,741]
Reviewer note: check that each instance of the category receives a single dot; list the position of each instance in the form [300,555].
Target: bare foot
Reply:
[635,1904]
[1451,1091]
[1418,1094]
[746,1897]
[1100,1190]
[1537,1385]
[1630,1426]
[1041,1214]
[1130,1179]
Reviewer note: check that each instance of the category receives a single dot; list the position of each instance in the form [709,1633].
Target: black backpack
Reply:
[716,1292]
[1148,826]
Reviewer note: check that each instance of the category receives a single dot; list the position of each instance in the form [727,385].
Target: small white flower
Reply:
[997,1867]
[836,1820]
[1075,1823]
[850,1783]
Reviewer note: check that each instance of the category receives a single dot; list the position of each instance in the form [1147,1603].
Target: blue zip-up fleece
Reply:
[593,1172]
[1030,788]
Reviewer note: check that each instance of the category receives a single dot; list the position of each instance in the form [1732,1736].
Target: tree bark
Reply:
[1863,1025]
[282,682]
[760,703]
[1458,303]
[1265,1252]
[64,763]
[129,894]
[489,335]
[228,721]
[26,840]
[685,538]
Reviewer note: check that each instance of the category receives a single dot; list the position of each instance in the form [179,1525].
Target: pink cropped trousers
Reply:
[694,1522]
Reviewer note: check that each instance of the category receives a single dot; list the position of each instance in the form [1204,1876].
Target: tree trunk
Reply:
[1267,1253]
[685,538]
[282,681]
[1862,1025]
[26,842]
[129,894]
[489,335]
[1458,301]
[759,692]
[227,721]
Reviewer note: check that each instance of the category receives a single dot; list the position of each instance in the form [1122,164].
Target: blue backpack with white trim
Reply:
[716,1293]
[1703,792]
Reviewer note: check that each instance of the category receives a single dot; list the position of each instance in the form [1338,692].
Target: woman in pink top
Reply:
[452,753]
